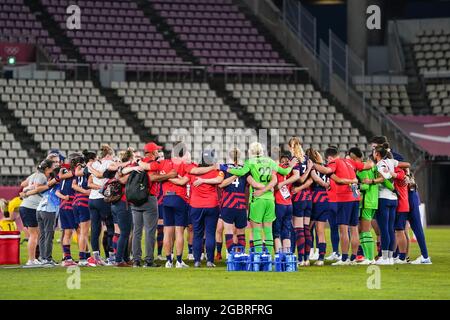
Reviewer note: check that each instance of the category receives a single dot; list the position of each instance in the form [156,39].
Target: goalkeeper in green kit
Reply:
[262,201]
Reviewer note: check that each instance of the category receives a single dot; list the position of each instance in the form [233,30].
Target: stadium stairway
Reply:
[66,45]
[262,30]
[416,87]
[20,133]
[169,35]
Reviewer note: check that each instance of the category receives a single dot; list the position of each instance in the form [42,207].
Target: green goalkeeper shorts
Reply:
[367,214]
[262,210]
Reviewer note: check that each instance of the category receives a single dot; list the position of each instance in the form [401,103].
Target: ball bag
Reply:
[9,247]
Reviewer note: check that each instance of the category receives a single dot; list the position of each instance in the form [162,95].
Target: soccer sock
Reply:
[367,245]
[344,257]
[268,235]
[179,258]
[229,241]
[160,238]
[169,257]
[257,239]
[352,257]
[219,247]
[300,242]
[66,251]
[308,240]
[241,240]
[88,255]
[385,254]
[390,254]
[82,255]
[189,248]
[115,240]
[334,233]
[402,256]
[360,250]
[322,250]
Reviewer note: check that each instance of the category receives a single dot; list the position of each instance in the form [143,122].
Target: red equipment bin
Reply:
[9,247]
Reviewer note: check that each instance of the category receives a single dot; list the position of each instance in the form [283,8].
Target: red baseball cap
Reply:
[151,146]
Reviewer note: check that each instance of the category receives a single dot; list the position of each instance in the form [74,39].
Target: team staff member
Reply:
[31,195]
[343,172]
[204,211]
[282,225]
[146,215]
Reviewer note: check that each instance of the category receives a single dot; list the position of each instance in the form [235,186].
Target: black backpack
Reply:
[137,187]
[112,191]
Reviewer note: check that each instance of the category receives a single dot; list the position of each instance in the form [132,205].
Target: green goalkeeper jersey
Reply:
[261,169]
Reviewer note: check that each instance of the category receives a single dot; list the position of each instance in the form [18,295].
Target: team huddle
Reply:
[285,202]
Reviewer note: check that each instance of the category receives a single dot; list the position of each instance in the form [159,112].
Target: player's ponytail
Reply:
[296,146]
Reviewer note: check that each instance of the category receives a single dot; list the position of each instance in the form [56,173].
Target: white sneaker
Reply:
[400,261]
[383,262]
[301,263]
[422,260]
[333,257]
[341,263]
[160,258]
[391,261]
[83,263]
[181,265]
[352,263]
[306,263]
[365,262]
[33,263]
[210,265]
[190,257]
[319,263]
[169,264]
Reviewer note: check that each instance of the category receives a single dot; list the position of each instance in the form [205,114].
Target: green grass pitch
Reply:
[350,282]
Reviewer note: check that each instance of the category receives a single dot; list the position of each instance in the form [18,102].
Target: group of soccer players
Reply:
[286,202]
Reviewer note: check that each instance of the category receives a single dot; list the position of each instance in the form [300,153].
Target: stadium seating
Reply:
[390,98]
[14,160]
[114,31]
[165,106]
[18,24]
[216,32]
[432,50]
[439,97]
[67,115]
[298,110]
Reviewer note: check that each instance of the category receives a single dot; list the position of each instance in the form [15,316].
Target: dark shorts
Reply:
[28,216]
[175,211]
[282,226]
[302,208]
[160,211]
[82,214]
[400,220]
[348,213]
[238,217]
[68,219]
[320,211]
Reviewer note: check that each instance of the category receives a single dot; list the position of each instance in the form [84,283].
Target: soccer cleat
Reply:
[68,263]
[341,263]
[161,258]
[422,260]
[190,257]
[181,265]
[319,263]
[33,263]
[306,263]
[136,263]
[365,262]
[353,263]
[169,264]
[122,264]
[84,263]
[391,261]
[333,257]
[148,264]
[197,264]
[382,262]
[360,258]
[400,261]
[47,263]
[209,264]
[301,264]
[91,262]
[218,256]
[110,262]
